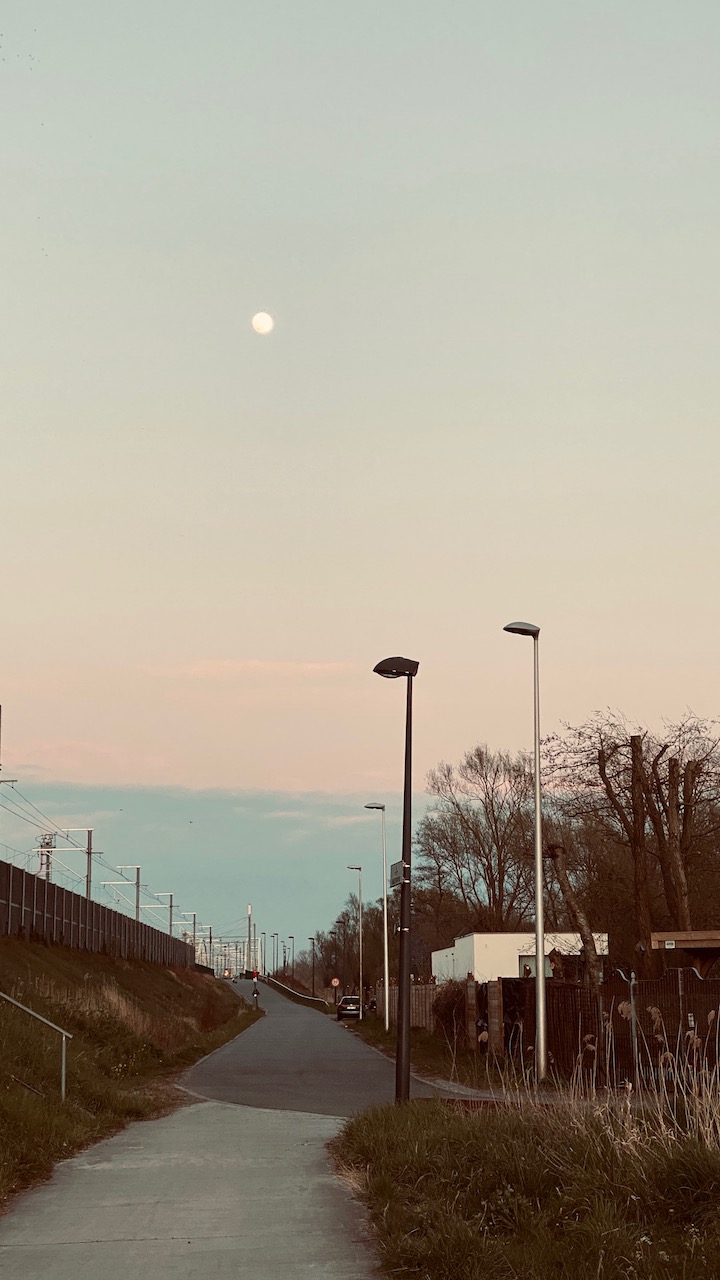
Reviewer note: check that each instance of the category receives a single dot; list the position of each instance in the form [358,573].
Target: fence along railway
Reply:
[34,908]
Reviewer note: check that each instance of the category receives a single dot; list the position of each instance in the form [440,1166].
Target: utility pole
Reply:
[248,956]
[170,920]
[186,925]
[132,866]
[46,845]
[88,874]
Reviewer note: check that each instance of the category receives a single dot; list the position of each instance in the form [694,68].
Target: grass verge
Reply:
[134,1026]
[431,1055]
[539,1192]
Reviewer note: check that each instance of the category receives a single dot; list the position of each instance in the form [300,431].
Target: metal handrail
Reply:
[311,1001]
[66,1035]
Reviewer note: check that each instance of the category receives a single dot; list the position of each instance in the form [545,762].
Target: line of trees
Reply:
[631,826]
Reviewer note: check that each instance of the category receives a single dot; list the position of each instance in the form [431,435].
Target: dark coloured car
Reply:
[349,1007]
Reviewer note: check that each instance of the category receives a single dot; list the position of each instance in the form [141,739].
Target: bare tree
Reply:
[477,843]
[655,793]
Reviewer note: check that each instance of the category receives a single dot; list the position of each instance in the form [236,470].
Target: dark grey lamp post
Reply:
[529,629]
[393,669]
[334,960]
[386,961]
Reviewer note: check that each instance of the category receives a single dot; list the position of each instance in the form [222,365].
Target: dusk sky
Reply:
[488,238]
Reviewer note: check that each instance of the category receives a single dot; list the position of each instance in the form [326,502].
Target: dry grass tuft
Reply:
[580,1188]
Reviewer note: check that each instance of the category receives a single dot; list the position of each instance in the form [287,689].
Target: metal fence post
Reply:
[634,1029]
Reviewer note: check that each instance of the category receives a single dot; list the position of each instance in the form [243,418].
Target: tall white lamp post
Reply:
[529,629]
[386,959]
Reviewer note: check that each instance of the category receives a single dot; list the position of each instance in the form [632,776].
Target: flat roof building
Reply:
[505,955]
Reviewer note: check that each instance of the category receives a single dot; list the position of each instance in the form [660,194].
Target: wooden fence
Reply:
[32,907]
[421,1002]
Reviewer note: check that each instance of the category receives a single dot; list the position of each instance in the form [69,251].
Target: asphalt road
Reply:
[297,1059]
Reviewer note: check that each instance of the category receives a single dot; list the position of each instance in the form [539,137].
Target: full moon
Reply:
[263,323]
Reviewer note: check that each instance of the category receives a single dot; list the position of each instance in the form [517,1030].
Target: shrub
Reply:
[449,1014]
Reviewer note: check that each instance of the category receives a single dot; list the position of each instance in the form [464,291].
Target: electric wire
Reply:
[49,826]
[57,829]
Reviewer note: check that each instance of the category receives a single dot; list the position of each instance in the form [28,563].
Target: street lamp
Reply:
[342,924]
[386,961]
[263,942]
[312,944]
[529,629]
[393,669]
[359,871]
[273,957]
[292,968]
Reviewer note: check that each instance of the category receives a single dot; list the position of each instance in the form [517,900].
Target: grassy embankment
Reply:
[133,1026]
[544,1192]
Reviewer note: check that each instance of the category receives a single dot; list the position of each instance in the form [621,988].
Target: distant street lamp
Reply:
[360,937]
[386,960]
[312,944]
[529,629]
[342,923]
[292,968]
[263,940]
[334,960]
[393,669]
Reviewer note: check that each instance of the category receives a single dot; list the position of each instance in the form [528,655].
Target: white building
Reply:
[504,955]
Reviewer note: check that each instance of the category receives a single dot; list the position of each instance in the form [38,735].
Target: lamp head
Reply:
[393,668]
[522,629]
[354,868]
[374,806]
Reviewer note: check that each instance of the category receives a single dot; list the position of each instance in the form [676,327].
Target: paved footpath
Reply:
[236,1186]
[212,1190]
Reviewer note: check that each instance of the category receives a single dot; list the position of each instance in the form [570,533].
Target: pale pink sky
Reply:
[490,245]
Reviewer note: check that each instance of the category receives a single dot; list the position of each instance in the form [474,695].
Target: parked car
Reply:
[349,1007]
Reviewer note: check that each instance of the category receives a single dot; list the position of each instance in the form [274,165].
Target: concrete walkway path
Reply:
[216,1190]
[237,1184]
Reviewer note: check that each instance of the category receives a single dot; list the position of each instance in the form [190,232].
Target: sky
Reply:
[488,237]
